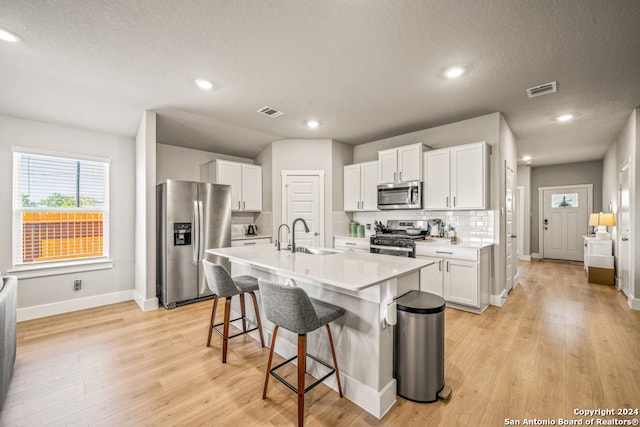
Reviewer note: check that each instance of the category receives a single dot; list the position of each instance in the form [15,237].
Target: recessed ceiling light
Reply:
[312,124]
[564,117]
[454,72]
[8,36]
[526,158]
[204,84]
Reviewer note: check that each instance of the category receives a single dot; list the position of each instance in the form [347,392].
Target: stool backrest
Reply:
[288,307]
[219,281]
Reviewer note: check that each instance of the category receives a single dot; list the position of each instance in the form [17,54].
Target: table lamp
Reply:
[602,221]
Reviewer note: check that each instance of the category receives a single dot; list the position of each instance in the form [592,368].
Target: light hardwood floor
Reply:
[557,344]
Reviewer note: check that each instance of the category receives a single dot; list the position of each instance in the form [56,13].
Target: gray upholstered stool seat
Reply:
[291,308]
[224,286]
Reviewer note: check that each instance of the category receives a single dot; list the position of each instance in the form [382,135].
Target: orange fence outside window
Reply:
[54,236]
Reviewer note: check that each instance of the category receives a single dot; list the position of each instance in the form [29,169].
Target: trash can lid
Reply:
[420,302]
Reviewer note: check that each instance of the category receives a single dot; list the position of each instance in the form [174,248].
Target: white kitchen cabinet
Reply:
[344,243]
[401,164]
[250,242]
[361,187]
[460,274]
[431,277]
[456,177]
[245,180]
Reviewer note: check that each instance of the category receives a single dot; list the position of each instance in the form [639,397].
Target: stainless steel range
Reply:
[399,237]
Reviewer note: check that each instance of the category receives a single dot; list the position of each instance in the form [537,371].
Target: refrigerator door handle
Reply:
[196,232]
[201,231]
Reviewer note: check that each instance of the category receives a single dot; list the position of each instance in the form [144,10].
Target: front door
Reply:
[301,195]
[623,221]
[564,222]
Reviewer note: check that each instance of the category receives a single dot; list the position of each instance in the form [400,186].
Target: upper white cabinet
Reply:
[456,177]
[401,164]
[360,187]
[245,180]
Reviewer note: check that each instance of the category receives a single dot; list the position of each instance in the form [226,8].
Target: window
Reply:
[60,208]
[569,200]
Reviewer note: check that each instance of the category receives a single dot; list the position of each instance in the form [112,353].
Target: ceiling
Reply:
[366,70]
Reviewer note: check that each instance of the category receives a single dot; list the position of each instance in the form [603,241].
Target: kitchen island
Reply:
[364,285]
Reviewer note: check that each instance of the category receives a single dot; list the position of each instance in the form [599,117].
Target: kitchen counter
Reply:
[345,270]
[365,285]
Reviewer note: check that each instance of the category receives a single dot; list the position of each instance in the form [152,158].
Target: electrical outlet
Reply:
[77,285]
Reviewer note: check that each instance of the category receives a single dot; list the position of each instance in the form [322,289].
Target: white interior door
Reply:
[564,222]
[303,196]
[623,248]
[510,235]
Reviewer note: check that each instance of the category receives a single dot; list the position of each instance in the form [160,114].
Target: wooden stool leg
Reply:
[302,367]
[255,310]
[335,361]
[243,312]
[225,333]
[213,318]
[273,344]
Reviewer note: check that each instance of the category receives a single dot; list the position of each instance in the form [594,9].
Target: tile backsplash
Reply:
[471,226]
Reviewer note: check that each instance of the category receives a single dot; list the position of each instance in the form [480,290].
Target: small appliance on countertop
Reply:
[251,230]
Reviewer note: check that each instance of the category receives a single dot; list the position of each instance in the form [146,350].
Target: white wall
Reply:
[35,292]
[483,128]
[626,150]
[184,163]
[145,214]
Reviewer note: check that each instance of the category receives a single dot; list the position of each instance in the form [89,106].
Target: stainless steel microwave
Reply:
[400,195]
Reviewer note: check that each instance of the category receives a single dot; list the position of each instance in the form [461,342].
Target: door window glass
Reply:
[568,200]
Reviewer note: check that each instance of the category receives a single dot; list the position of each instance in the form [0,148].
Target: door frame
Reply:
[284,174]
[617,245]
[541,190]
[520,225]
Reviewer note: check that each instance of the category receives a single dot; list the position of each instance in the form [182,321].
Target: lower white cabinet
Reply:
[459,274]
[251,242]
[351,244]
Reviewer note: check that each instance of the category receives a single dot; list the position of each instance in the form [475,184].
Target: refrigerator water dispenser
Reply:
[181,234]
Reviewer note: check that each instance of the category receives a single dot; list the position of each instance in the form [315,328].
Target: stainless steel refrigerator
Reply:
[190,217]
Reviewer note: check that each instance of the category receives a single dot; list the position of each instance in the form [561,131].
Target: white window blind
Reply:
[60,208]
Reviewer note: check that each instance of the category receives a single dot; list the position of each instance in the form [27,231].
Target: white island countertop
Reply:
[347,270]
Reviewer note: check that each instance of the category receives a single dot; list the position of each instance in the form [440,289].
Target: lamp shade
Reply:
[607,220]
[602,219]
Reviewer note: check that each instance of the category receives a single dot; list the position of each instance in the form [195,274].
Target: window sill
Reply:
[30,271]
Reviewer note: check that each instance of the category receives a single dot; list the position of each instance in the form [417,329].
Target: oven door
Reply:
[392,250]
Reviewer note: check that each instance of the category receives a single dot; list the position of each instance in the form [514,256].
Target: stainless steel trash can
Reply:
[419,346]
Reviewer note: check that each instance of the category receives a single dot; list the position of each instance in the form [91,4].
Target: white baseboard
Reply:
[145,304]
[536,256]
[634,303]
[44,310]
[525,258]
[498,300]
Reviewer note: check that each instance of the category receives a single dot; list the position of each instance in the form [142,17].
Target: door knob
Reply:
[624,239]
[316,233]
[513,236]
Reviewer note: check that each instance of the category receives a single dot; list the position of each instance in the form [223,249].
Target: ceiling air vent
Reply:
[540,90]
[271,112]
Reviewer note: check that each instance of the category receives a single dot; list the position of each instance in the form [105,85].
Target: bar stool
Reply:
[223,286]
[291,308]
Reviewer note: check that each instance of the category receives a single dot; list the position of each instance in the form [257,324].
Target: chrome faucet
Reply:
[293,232]
[278,236]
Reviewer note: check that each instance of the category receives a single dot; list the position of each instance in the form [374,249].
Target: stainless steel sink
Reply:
[314,251]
